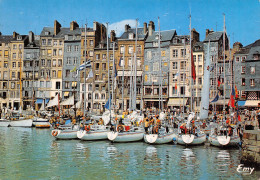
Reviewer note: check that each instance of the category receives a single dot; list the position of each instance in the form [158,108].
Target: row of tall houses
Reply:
[46,65]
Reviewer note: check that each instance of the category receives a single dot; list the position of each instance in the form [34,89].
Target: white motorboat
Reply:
[162,137]
[65,132]
[221,138]
[191,139]
[93,132]
[21,122]
[41,123]
[4,123]
[124,135]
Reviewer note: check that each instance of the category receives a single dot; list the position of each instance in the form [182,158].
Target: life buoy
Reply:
[54,133]
[120,128]
[87,128]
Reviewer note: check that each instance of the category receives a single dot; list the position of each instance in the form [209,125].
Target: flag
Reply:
[74,69]
[175,86]
[85,65]
[232,100]
[193,71]
[215,99]
[90,74]
[108,104]
[238,117]
[236,92]
[219,82]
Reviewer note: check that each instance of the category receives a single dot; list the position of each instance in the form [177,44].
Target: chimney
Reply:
[209,31]
[14,34]
[57,27]
[195,36]
[73,25]
[112,36]
[145,28]
[127,27]
[31,37]
[237,46]
[0,34]
[151,28]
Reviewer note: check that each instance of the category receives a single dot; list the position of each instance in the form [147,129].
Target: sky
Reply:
[242,16]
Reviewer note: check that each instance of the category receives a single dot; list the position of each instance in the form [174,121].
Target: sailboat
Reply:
[196,137]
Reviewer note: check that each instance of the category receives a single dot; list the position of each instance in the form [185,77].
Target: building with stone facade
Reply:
[153,74]
[247,75]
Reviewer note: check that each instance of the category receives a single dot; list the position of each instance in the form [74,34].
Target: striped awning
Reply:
[252,103]
[177,102]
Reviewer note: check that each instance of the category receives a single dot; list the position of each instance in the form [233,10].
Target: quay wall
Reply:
[251,147]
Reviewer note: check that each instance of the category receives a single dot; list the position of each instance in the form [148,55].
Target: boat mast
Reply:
[135,65]
[160,67]
[183,82]
[131,86]
[224,59]
[113,77]
[191,84]
[85,59]
[108,65]
[21,89]
[123,79]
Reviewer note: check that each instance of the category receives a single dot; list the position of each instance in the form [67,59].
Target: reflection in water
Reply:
[35,154]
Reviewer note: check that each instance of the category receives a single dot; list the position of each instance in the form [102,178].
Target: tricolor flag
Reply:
[175,86]
[232,100]
[219,82]
[108,104]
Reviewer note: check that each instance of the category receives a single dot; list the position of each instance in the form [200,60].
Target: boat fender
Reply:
[54,133]
[174,139]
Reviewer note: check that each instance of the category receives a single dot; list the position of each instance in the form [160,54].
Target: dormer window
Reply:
[256,57]
[131,36]
[47,33]
[155,44]
[19,37]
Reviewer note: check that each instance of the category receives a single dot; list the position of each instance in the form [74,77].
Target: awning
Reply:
[128,73]
[39,101]
[241,103]
[69,101]
[252,103]
[47,100]
[221,102]
[66,93]
[177,102]
[153,100]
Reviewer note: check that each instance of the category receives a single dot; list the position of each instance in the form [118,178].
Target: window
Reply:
[139,49]
[91,53]
[221,69]
[14,46]
[43,62]
[43,42]
[122,49]
[104,56]
[200,81]
[90,87]
[149,54]
[183,65]
[97,56]
[48,73]
[55,43]
[252,69]
[49,52]
[57,85]
[130,49]
[174,91]
[67,85]
[49,42]
[237,59]
[121,62]
[199,58]
[60,52]
[175,53]
[156,66]
[243,59]
[162,53]
[96,96]
[5,64]
[59,62]
[6,54]
[5,75]
[194,58]
[14,64]
[103,66]
[183,52]
[12,85]
[252,82]
[59,73]
[243,94]
[54,75]
[182,90]
[68,48]
[54,52]
[0,53]
[75,60]
[91,42]
[60,43]
[129,61]
[89,95]
[183,77]
[243,69]
[200,69]
[67,73]
[103,96]
[54,63]
[138,61]
[131,36]
[68,60]
[76,48]
[155,44]
[13,74]
[175,65]
[243,82]
[48,63]
[42,73]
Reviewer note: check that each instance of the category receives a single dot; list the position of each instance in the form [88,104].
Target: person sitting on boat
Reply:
[100,122]
[81,126]
[158,122]
[183,128]
[230,130]
[193,127]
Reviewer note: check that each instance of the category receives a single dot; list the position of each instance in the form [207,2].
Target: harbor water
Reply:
[29,153]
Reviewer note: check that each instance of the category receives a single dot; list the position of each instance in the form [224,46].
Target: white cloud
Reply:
[119,27]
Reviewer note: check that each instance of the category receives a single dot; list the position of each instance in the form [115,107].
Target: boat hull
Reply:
[125,136]
[21,123]
[64,134]
[159,139]
[191,139]
[92,135]
[232,141]
[4,123]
